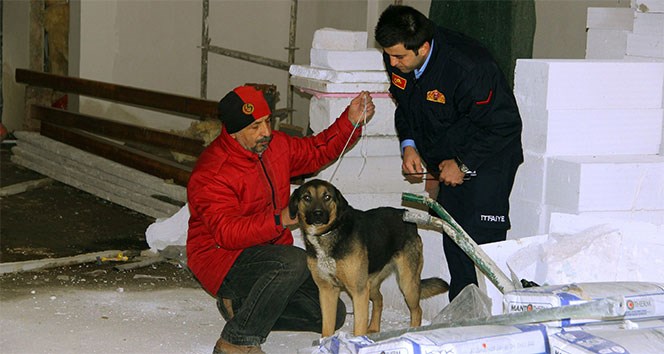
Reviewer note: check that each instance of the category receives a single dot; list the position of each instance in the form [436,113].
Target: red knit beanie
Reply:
[241,107]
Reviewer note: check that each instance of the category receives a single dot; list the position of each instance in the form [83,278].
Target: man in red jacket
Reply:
[239,245]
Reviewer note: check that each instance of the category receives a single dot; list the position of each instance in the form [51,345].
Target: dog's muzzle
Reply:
[317,217]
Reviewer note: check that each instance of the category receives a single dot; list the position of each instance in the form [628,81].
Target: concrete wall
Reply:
[154,45]
[15,54]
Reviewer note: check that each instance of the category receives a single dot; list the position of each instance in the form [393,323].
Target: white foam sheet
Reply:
[584,249]
[648,5]
[649,23]
[338,76]
[645,45]
[338,39]
[347,60]
[610,18]
[604,43]
[169,231]
[579,132]
[588,84]
[606,183]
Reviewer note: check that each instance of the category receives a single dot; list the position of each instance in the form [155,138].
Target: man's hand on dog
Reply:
[286,219]
[356,110]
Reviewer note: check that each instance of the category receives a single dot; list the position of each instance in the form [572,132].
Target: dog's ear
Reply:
[342,203]
[293,202]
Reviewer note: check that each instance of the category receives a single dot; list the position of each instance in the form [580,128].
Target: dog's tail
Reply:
[432,286]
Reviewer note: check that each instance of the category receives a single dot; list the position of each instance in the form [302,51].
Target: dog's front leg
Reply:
[360,297]
[329,296]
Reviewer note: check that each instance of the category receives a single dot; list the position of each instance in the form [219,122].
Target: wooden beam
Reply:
[161,101]
[117,130]
[127,156]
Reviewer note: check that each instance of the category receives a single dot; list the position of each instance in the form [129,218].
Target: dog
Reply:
[354,250]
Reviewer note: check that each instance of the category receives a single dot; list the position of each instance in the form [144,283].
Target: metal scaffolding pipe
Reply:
[279,64]
[206,48]
[205,43]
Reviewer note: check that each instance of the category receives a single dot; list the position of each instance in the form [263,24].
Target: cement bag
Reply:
[522,339]
[647,340]
[641,299]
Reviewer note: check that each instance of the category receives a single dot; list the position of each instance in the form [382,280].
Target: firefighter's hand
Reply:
[412,165]
[450,174]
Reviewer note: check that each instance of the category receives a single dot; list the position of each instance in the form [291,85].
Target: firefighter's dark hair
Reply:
[400,24]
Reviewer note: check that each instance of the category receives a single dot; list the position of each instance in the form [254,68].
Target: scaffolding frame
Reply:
[207,48]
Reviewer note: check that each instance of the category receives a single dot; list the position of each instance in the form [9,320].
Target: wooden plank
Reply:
[53,166]
[161,101]
[103,169]
[127,156]
[24,186]
[15,267]
[80,180]
[117,130]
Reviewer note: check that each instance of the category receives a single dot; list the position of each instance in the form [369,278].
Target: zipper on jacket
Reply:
[274,202]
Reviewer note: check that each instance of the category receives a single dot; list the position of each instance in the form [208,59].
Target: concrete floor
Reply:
[184,320]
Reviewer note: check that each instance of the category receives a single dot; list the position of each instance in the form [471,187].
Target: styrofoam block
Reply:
[369,175]
[528,218]
[530,178]
[661,145]
[606,43]
[535,125]
[579,246]
[338,76]
[325,110]
[606,183]
[347,60]
[636,58]
[649,23]
[578,132]
[655,217]
[648,5]
[566,223]
[499,252]
[645,45]
[610,18]
[588,84]
[336,39]
[333,87]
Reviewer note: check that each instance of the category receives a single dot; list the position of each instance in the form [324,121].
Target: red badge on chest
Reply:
[436,96]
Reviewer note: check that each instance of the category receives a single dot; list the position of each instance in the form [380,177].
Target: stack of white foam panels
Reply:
[647,40]
[635,33]
[342,66]
[369,173]
[592,136]
[607,33]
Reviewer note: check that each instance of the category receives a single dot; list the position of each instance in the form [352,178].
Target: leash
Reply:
[363,149]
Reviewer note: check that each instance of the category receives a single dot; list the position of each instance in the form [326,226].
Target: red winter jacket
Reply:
[235,197]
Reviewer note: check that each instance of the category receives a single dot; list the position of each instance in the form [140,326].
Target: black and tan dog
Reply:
[353,250]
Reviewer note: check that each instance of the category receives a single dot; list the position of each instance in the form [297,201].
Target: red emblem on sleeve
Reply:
[398,81]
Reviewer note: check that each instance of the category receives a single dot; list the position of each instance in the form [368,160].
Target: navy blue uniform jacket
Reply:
[462,106]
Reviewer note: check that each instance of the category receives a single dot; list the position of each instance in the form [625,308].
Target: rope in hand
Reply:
[355,126]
